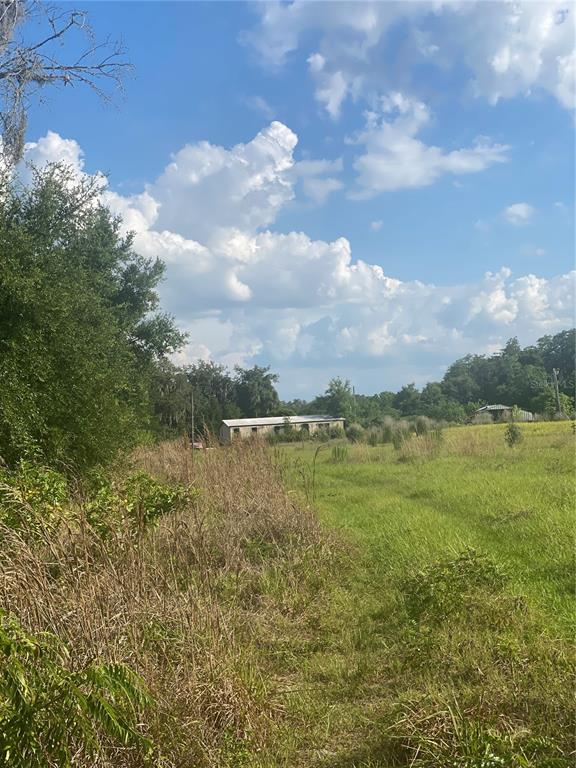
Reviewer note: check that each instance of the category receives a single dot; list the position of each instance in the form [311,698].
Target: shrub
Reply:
[387,433]
[141,499]
[374,437]
[440,588]
[513,435]
[31,498]
[355,432]
[422,425]
[399,437]
[336,433]
[50,713]
[482,418]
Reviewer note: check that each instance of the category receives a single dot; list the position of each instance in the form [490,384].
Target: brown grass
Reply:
[189,604]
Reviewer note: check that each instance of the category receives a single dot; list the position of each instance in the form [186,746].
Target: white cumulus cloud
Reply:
[395,158]
[519,213]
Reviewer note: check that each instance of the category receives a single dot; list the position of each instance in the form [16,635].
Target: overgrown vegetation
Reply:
[142,624]
[221,625]
[53,713]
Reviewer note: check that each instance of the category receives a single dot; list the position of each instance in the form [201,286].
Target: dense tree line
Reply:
[514,376]
[214,393]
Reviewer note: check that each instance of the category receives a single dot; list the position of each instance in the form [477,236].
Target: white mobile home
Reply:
[262,426]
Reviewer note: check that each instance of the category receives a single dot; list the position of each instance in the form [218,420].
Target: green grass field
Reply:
[515,504]
[446,639]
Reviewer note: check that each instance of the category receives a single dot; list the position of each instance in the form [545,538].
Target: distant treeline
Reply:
[514,376]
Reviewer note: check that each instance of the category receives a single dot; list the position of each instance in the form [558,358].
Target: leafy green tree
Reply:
[386,404]
[407,401]
[559,351]
[170,399]
[214,395]
[79,329]
[459,382]
[255,392]
[436,405]
[337,400]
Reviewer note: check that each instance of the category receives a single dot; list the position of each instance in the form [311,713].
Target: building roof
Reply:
[494,408]
[498,408]
[270,421]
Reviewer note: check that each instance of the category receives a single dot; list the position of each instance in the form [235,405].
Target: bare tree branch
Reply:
[26,67]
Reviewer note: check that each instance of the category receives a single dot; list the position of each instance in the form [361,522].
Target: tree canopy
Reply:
[80,333]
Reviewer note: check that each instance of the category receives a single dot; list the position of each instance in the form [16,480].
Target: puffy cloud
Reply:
[508,48]
[53,148]
[376,226]
[394,158]
[248,294]
[207,187]
[519,213]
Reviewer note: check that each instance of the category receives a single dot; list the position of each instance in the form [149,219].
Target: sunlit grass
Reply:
[517,504]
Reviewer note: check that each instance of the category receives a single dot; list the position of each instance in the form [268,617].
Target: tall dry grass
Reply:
[188,604]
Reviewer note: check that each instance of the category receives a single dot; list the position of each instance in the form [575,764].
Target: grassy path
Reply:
[426,654]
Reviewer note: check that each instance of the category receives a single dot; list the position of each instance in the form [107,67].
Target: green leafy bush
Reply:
[141,498]
[52,713]
[148,499]
[355,433]
[513,435]
[440,589]
[32,497]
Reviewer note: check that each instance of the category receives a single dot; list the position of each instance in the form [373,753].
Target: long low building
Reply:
[234,428]
[504,413]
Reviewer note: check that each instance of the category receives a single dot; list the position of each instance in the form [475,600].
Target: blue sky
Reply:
[329,185]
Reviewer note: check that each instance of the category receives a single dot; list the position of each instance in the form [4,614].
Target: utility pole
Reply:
[555,372]
[192,420]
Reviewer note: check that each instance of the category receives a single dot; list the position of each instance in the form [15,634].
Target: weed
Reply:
[441,588]
[355,433]
[32,498]
[513,434]
[339,454]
